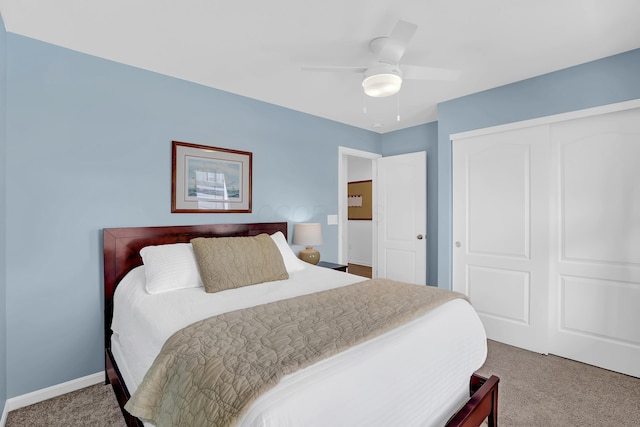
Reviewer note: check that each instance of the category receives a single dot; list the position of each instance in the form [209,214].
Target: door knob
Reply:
[419,236]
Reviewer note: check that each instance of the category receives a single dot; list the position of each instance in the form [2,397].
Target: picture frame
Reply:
[360,192]
[208,179]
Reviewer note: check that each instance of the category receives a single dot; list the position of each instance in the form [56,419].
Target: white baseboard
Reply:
[48,393]
[3,420]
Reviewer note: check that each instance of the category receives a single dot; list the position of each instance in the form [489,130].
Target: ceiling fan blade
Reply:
[336,69]
[416,72]
[397,42]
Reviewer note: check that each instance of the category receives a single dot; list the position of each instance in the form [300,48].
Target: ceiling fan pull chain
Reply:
[398,114]
[364,103]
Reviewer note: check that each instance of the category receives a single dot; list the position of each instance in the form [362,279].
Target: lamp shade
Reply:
[307,234]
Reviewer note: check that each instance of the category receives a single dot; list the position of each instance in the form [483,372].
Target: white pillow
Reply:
[291,261]
[170,267]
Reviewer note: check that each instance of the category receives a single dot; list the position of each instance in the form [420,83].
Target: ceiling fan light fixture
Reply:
[383,84]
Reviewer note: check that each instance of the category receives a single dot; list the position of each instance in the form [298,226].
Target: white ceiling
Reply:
[256,48]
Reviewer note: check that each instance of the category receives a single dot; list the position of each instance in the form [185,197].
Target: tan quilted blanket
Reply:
[209,373]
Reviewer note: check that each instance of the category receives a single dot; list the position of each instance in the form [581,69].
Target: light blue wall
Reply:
[89,146]
[410,140]
[606,81]
[3,276]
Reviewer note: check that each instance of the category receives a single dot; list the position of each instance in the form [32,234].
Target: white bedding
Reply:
[415,375]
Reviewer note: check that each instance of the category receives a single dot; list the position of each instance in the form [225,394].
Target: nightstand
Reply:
[338,267]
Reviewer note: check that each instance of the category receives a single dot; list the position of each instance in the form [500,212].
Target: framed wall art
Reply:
[359,200]
[210,179]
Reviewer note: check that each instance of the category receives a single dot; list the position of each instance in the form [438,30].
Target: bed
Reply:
[395,378]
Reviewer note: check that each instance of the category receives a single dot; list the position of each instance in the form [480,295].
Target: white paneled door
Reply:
[402,217]
[547,236]
[595,283]
[500,257]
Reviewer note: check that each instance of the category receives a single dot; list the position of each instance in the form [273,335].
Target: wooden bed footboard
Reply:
[482,404]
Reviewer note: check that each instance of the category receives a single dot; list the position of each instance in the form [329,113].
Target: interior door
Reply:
[500,220]
[595,283]
[402,217]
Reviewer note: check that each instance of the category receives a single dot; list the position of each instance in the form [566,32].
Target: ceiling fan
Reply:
[384,77]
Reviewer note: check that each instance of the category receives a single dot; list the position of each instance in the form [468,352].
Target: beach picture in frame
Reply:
[210,179]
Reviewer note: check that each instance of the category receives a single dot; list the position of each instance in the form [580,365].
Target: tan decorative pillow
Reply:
[233,262]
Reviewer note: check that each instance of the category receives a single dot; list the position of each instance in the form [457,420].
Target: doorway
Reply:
[398,221]
[357,236]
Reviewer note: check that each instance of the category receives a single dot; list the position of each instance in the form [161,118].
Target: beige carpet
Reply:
[535,390]
[94,406]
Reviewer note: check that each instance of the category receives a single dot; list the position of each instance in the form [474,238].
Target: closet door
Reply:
[500,232]
[595,261]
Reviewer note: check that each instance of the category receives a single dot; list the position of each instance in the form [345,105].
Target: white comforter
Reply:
[417,374]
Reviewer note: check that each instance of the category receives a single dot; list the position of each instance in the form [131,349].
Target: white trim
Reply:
[50,392]
[577,114]
[5,412]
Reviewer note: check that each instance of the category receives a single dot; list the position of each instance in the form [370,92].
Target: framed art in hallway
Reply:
[210,179]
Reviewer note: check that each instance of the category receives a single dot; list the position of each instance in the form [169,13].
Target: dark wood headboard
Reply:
[121,248]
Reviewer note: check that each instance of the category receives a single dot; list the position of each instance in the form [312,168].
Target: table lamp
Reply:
[308,234]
